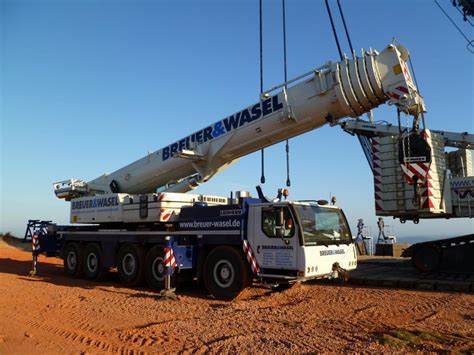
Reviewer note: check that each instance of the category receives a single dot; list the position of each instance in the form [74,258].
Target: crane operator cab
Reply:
[299,240]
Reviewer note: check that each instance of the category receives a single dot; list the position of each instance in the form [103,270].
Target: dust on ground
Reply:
[53,313]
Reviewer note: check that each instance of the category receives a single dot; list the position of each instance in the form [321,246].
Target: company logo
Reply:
[462,183]
[226,125]
[230,212]
[97,202]
[331,252]
[230,223]
[278,247]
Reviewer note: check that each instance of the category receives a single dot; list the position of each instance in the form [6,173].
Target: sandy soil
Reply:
[55,314]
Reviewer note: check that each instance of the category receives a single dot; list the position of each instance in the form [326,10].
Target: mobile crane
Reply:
[121,219]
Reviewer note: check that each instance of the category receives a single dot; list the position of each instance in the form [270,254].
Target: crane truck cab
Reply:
[282,242]
[299,240]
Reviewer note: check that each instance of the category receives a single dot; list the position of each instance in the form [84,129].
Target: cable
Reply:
[463,15]
[262,177]
[284,40]
[345,27]
[416,118]
[334,30]
[287,147]
[414,75]
[261,47]
[454,24]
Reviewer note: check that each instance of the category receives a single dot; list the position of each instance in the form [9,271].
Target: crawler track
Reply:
[391,272]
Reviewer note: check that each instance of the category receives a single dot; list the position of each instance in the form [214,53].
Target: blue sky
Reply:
[89,86]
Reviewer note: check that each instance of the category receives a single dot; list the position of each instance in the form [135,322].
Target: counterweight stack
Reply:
[324,95]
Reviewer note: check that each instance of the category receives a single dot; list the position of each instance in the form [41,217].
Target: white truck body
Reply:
[125,208]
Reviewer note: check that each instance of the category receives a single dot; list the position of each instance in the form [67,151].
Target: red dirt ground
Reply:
[56,314]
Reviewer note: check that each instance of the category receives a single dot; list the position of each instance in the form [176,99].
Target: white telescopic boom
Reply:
[336,90]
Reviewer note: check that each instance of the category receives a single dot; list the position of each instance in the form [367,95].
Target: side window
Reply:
[269,222]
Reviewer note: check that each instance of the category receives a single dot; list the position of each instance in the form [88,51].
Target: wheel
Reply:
[73,262]
[93,262]
[131,264]
[226,272]
[155,268]
[427,258]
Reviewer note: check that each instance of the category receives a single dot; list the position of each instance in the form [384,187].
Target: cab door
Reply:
[272,251]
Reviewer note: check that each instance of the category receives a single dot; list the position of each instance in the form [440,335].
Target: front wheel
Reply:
[226,272]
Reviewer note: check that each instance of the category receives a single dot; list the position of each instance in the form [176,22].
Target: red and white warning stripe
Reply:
[250,257]
[406,72]
[410,170]
[165,213]
[427,193]
[162,196]
[377,172]
[398,92]
[418,169]
[170,261]
[35,242]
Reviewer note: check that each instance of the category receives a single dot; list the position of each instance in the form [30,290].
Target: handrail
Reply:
[314,71]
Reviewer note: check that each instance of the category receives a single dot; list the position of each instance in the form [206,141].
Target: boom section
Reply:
[348,88]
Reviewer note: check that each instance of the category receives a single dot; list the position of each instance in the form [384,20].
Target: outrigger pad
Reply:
[167,295]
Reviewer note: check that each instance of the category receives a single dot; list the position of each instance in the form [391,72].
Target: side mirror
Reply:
[279,218]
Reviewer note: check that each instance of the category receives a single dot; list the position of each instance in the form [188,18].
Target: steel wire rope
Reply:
[334,30]
[345,26]
[464,14]
[287,146]
[469,42]
[262,177]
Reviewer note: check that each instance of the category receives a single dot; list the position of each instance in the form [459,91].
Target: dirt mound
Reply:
[12,241]
[56,314]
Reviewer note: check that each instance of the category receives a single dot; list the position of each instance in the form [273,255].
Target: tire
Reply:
[427,258]
[93,262]
[131,264]
[226,273]
[155,269]
[73,261]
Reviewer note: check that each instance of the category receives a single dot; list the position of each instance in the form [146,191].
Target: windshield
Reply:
[323,226]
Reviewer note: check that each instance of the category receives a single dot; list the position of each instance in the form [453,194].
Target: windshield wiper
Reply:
[323,242]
